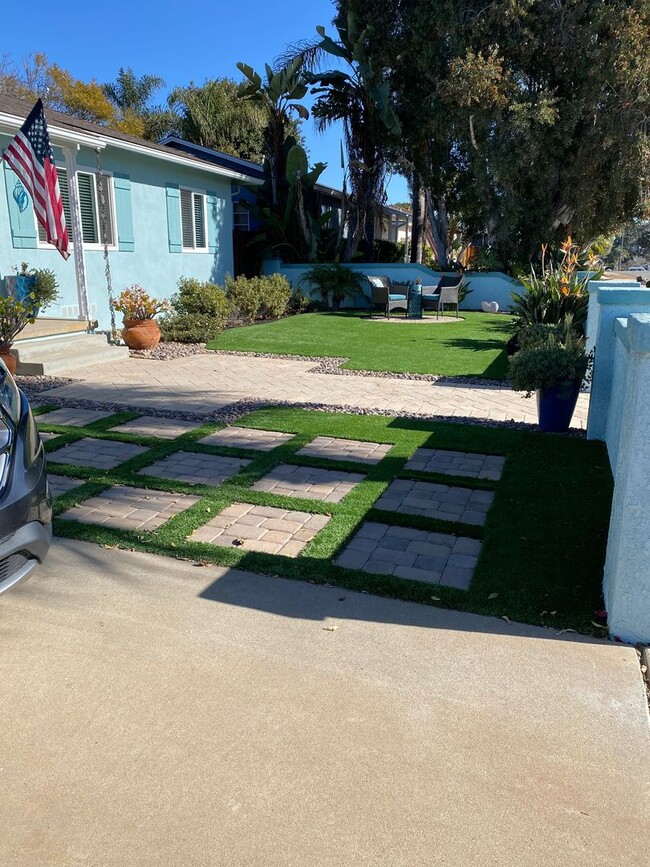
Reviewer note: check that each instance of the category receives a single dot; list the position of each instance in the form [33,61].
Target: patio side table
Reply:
[414,301]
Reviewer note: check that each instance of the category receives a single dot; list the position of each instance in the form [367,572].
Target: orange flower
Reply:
[566,245]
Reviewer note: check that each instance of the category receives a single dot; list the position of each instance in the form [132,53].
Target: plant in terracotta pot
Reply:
[551,362]
[33,291]
[139,310]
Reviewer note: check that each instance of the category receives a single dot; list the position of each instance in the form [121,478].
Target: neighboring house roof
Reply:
[252,170]
[65,129]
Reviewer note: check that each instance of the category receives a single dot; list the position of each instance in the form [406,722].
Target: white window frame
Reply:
[236,213]
[82,170]
[195,192]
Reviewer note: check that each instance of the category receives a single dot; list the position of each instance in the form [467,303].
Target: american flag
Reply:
[30,156]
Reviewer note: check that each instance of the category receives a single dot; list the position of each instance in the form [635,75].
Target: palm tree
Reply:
[214,116]
[131,96]
[359,97]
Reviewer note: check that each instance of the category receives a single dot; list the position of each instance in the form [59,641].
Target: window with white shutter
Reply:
[193,228]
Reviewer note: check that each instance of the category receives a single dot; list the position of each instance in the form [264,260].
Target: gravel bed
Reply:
[32,385]
[332,366]
[170,351]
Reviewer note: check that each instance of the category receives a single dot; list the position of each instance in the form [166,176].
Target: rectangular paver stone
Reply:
[457,463]
[196,469]
[339,449]
[247,438]
[309,482]
[96,453]
[130,508]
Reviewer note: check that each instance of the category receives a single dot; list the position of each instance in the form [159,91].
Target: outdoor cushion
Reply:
[430,297]
[397,297]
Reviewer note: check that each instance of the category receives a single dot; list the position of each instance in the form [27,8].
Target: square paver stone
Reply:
[445,502]
[247,438]
[196,469]
[338,449]
[435,558]
[261,528]
[450,463]
[72,417]
[310,482]
[98,454]
[150,426]
[62,484]
[130,508]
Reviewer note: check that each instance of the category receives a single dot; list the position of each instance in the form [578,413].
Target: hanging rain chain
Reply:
[103,218]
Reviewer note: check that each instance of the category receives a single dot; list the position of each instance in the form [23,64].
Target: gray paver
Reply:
[247,438]
[150,426]
[96,453]
[261,528]
[130,508]
[62,484]
[453,463]
[196,469]
[435,558]
[339,449]
[72,417]
[309,482]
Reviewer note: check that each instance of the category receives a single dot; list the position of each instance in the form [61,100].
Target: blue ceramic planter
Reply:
[555,412]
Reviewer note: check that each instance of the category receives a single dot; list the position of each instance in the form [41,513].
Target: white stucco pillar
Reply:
[626,584]
[70,155]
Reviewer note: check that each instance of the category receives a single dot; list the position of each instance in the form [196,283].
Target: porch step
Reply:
[48,326]
[64,353]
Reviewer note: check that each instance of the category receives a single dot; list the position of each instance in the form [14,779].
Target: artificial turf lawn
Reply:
[473,347]
[543,543]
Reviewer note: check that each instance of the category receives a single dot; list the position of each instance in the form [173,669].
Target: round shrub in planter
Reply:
[552,363]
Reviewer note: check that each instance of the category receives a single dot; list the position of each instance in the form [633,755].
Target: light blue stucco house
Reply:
[169,214]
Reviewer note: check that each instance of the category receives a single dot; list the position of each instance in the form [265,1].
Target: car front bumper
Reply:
[22,552]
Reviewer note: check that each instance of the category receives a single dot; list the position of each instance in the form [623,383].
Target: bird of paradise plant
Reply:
[558,292]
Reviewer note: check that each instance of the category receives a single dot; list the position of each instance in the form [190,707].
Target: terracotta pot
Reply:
[9,360]
[141,333]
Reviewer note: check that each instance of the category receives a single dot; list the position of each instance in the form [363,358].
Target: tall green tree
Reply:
[132,98]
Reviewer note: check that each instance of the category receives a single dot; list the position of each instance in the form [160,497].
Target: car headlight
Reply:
[9,396]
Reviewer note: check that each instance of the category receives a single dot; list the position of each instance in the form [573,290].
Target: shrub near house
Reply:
[202,309]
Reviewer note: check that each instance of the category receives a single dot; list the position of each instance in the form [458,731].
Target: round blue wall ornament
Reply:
[20,196]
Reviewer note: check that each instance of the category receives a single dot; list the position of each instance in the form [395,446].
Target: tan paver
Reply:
[451,463]
[261,528]
[436,501]
[62,484]
[196,469]
[310,482]
[346,450]
[95,453]
[130,508]
[150,426]
[435,558]
[247,438]
[205,383]
[72,417]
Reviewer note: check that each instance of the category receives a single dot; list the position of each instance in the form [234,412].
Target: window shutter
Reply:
[187,219]
[122,185]
[23,228]
[65,198]
[199,221]
[174,218]
[88,208]
[216,210]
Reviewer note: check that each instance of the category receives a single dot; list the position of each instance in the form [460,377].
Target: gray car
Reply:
[25,504]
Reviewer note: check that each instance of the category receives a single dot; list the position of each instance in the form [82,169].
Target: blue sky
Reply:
[178,41]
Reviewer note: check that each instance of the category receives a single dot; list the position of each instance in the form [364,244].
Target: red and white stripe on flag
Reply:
[30,156]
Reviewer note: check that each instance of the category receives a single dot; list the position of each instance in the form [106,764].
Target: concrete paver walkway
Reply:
[156,713]
[204,384]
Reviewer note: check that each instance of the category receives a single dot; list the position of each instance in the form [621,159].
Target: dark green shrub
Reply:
[275,291]
[200,311]
[388,251]
[244,297]
[334,282]
[550,357]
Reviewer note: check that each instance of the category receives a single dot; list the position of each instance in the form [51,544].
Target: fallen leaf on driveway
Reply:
[506,618]
[330,628]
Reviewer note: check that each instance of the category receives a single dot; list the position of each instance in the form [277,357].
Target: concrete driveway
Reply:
[159,713]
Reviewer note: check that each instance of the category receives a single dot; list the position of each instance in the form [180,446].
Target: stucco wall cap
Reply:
[621,295]
[638,330]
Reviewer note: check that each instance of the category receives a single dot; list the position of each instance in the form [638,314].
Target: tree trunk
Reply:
[419,216]
[439,223]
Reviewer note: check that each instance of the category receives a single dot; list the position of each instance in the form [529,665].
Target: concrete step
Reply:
[47,326]
[64,353]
